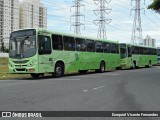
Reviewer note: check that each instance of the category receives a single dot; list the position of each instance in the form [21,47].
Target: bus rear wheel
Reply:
[34,75]
[102,68]
[58,70]
[133,65]
[150,64]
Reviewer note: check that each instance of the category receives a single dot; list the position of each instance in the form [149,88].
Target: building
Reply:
[149,41]
[33,14]
[9,19]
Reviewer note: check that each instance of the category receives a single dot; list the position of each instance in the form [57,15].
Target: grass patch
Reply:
[3,69]
[3,60]
[6,76]
[3,65]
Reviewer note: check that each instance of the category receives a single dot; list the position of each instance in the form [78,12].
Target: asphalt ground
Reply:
[121,90]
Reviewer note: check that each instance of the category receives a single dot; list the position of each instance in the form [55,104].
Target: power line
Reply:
[120,4]
[152,22]
[63,20]
[154,14]
[55,4]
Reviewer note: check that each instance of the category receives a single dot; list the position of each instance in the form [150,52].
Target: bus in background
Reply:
[39,51]
[158,50]
[134,56]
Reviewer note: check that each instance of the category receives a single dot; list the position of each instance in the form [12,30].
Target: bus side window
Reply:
[133,50]
[150,51]
[80,44]
[90,45]
[117,48]
[99,47]
[155,52]
[147,51]
[69,43]
[129,51]
[113,48]
[44,45]
[141,50]
[136,50]
[106,47]
[57,42]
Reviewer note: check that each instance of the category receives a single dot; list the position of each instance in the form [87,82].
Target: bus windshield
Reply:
[22,47]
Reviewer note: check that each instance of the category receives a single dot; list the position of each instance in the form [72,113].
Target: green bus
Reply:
[134,56]
[39,51]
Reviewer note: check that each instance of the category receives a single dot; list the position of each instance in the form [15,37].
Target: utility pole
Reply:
[136,37]
[77,15]
[102,20]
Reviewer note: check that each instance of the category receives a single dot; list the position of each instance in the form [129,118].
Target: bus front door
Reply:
[45,54]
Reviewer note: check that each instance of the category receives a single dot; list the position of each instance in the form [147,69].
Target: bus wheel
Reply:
[150,64]
[102,67]
[82,71]
[133,65]
[35,75]
[58,70]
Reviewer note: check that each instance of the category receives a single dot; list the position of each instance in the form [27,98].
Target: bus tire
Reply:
[59,70]
[34,75]
[102,67]
[82,71]
[134,65]
[150,64]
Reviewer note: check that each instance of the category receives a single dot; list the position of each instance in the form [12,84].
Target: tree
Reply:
[155,6]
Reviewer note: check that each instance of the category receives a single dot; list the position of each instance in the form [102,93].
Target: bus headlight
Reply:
[32,63]
[31,70]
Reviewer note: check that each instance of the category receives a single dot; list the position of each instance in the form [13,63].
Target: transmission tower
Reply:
[137,28]
[102,20]
[77,15]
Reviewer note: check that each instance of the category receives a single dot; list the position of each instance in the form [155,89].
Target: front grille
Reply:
[20,65]
[21,62]
[17,65]
[21,69]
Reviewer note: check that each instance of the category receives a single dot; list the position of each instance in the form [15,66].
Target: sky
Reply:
[120,28]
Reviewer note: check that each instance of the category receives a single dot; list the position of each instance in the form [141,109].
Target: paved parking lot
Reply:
[122,90]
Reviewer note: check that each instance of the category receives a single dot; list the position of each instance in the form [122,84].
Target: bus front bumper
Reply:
[22,70]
